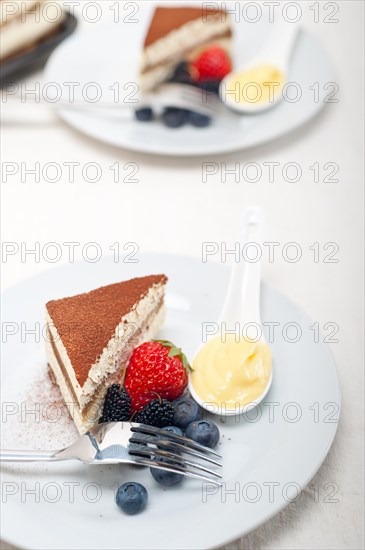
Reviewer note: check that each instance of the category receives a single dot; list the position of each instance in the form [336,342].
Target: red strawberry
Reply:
[156,367]
[212,64]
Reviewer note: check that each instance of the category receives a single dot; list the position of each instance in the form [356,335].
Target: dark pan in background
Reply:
[35,58]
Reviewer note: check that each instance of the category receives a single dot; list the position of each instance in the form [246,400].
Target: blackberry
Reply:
[117,405]
[182,74]
[158,413]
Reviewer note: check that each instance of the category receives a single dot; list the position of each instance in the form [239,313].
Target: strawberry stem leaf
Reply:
[174,351]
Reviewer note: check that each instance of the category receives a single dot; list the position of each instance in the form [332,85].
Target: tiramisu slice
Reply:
[176,34]
[25,23]
[91,337]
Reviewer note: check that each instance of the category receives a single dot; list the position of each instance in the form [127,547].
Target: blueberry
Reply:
[204,432]
[173,429]
[186,410]
[164,477]
[173,117]
[144,115]
[198,120]
[132,497]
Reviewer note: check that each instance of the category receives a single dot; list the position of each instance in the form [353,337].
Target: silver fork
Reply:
[131,443]
[183,96]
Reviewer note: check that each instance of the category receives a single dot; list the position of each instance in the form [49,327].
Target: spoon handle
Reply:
[242,303]
[281,44]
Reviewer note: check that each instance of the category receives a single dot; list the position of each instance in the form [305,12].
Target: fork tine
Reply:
[189,443]
[144,461]
[176,458]
[172,445]
[169,453]
[187,96]
[199,98]
[198,94]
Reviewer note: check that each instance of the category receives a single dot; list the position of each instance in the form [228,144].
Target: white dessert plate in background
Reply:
[109,55]
[279,445]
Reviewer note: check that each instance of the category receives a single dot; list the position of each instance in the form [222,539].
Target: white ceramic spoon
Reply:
[276,53]
[242,303]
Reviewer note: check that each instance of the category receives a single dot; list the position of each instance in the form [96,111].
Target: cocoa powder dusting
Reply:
[86,322]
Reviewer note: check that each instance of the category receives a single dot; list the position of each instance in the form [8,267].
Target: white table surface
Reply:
[170,209]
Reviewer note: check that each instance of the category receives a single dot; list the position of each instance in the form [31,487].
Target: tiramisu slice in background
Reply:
[26,23]
[176,34]
[91,336]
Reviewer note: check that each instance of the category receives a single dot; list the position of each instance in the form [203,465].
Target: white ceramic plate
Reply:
[109,54]
[271,451]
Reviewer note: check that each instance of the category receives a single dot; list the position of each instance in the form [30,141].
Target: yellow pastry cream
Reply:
[231,373]
[259,84]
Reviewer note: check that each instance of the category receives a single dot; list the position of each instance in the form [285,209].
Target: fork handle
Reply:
[28,456]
